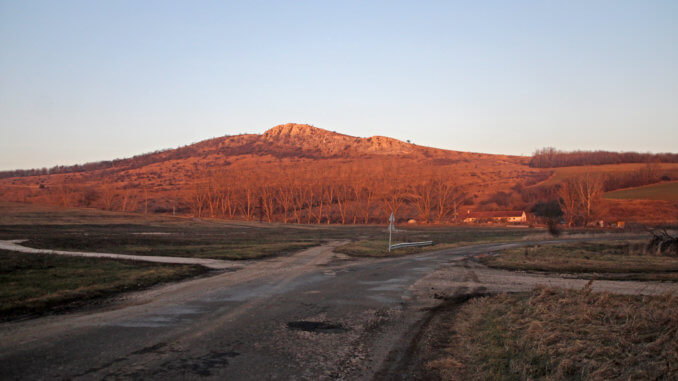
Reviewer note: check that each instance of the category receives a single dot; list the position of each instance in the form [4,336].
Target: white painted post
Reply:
[391,220]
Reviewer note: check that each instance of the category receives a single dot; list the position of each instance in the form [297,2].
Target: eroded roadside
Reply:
[463,279]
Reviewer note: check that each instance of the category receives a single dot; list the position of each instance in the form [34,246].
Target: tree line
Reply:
[355,195]
[550,157]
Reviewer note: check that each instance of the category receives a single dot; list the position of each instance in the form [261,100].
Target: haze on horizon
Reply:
[85,81]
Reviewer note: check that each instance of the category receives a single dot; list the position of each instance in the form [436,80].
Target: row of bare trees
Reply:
[550,157]
[332,195]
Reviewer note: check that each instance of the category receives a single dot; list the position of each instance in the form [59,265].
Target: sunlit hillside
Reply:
[304,174]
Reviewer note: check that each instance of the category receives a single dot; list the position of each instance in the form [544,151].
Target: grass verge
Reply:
[561,334]
[609,260]
[34,284]
[198,241]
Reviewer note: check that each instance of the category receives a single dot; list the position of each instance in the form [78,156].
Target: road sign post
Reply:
[391,220]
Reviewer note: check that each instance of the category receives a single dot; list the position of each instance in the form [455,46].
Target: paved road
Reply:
[313,315]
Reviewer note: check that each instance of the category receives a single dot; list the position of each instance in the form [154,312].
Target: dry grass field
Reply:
[663,191]
[606,260]
[79,229]
[33,284]
[554,334]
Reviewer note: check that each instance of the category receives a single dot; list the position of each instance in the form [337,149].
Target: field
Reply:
[558,334]
[78,229]
[37,283]
[608,260]
[33,284]
[663,191]
[107,232]
[562,173]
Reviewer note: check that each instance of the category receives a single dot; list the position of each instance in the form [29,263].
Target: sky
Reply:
[84,81]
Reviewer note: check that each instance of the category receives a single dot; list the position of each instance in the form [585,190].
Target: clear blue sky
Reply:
[93,80]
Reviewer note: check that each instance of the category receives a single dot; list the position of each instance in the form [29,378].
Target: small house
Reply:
[507,216]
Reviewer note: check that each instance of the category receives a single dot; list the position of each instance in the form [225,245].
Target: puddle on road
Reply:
[423,269]
[384,299]
[388,287]
[388,281]
[168,316]
[252,290]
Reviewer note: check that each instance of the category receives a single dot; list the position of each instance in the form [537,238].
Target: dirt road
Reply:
[312,315]
[215,264]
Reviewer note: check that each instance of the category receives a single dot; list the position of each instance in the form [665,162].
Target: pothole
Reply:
[316,326]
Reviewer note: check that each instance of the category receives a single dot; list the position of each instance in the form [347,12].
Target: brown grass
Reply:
[609,260]
[667,191]
[555,334]
[33,284]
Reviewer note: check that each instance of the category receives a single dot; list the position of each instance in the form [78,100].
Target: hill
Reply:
[293,173]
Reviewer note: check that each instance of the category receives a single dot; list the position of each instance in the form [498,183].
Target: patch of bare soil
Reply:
[410,360]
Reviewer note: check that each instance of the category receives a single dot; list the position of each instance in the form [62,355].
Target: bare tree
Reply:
[65,193]
[449,198]
[285,196]
[569,201]
[267,195]
[343,194]
[590,189]
[579,198]
[107,192]
[197,199]
[423,196]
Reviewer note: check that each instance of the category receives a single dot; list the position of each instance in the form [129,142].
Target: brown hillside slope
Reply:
[292,172]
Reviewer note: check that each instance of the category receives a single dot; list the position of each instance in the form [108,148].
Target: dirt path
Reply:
[14,245]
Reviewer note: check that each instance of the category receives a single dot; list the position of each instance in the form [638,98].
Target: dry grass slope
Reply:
[607,260]
[662,191]
[555,334]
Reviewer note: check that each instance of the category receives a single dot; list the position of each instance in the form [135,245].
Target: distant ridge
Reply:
[282,141]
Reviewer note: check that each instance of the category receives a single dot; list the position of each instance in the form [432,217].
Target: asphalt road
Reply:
[313,315]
